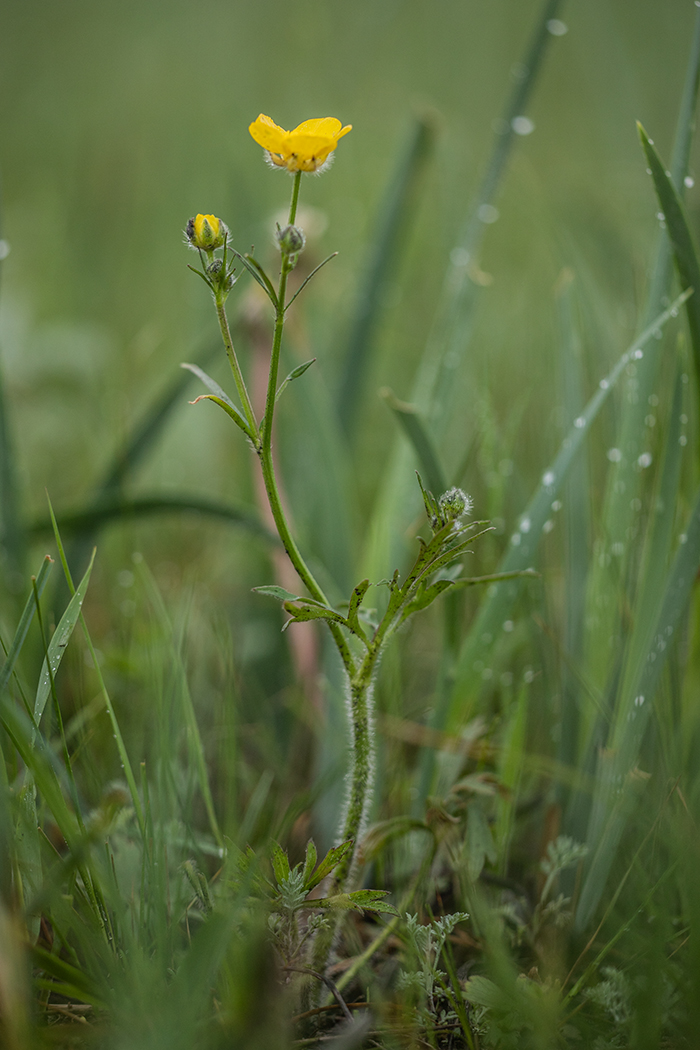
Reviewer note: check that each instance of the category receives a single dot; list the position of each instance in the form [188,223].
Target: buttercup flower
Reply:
[306,148]
[206,232]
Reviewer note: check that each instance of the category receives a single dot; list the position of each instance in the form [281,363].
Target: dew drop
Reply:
[580,423]
[638,701]
[684,378]
[4,249]
[556,505]
[548,526]
[650,421]
[684,418]
[618,549]
[515,539]
[508,626]
[549,478]
[488,214]
[682,440]
[638,355]
[522,125]
[525,525]
[683,538]
[614,455]
[603,384]
[557,28]
[635,504]
[648,171]
[689,181]
[644,460]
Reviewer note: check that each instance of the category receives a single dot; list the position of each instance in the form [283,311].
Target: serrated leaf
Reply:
[373,900]
[280,863]
[331,860]
[302,613]
[309,862]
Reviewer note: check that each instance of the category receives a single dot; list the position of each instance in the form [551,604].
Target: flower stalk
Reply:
[359,639]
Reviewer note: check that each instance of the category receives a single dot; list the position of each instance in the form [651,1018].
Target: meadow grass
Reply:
[526,874]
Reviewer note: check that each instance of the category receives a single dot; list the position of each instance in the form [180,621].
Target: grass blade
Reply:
[59,641]
[24,624]
[681,240]
[396,214]
[524,542]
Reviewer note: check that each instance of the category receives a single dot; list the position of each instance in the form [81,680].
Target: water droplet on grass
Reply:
[689,181]
[556,27]
[549,478]
[603,384]
[614,455]
[522,125]
[644,460]
[580,423]
[488,214]
[525,525]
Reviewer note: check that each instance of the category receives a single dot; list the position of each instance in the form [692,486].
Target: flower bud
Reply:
[454,503]
[291,240]
[206,232]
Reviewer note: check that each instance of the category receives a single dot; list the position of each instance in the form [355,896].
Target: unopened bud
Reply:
[291,240]
[454,503]
[206,232]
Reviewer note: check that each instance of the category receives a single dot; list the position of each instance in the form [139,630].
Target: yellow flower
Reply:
[206,232]
[307,148]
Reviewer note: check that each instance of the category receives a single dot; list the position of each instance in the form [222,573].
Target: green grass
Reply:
[538,742]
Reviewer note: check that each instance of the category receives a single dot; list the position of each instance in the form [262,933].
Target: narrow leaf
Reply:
[329,862]
[294,374]
[24,624]
[280,863]
[58,643]
[414,428]
[681,240]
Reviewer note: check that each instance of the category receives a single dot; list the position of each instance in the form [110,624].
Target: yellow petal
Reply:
[268,134]
[326,126]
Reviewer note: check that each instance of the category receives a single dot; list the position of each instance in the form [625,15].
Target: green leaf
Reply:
[209,383]
[681,240]
[479,842]
[331,860]
[360,900]
[523,545]
[271,590]
[356,599]
[24,624]
[396,214]
[302,613]
[58,643]
[82,987]
[116,507]
[28,851]
[309,863]
[373,900]
[280,863]
[229,409]
[257,273]
[413,426]
[294,374]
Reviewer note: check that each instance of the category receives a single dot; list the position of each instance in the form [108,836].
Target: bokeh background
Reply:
[120,120]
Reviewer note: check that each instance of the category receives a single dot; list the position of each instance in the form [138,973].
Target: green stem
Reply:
[236,368]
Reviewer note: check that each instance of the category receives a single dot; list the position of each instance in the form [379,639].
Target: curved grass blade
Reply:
[624,480]
[59,641]
[24,623]
[524,542]
[413,426]
[450,334]
[680,237]
[116,730]
[114,508]
[396,215]
[632,718]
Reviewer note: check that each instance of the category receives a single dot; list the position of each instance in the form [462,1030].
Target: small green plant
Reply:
[360,636]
